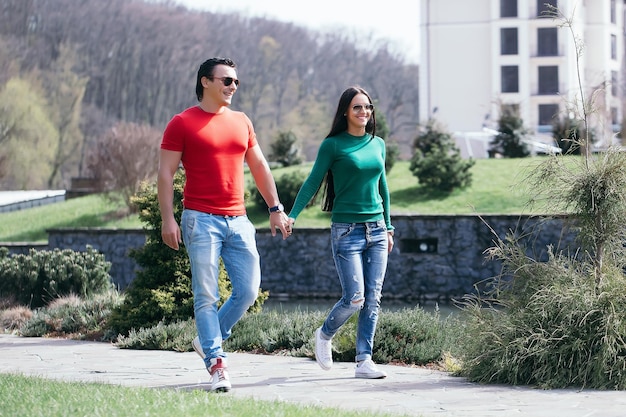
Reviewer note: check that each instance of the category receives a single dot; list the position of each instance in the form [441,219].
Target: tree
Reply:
[66,90]
[509,142]
[437,162]
[124,158]
[284,150]
[27,135]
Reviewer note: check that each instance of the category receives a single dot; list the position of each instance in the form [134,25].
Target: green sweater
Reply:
[358,167]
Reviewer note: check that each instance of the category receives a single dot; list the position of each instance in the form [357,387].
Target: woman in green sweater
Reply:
[351,161]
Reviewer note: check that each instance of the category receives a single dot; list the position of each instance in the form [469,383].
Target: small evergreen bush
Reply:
[41,276]
[437,162]
[161,291]
[509,142]
[288,186]
[284,150]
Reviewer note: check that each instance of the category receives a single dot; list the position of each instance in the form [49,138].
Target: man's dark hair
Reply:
[206,70]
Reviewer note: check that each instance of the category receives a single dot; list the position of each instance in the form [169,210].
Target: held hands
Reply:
[279,220]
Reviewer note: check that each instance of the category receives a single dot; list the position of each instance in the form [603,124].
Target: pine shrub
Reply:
[44,275]
[161,291]
[437,162]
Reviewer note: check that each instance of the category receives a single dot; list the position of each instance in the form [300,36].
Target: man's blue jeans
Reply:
[360,254]
[208,237]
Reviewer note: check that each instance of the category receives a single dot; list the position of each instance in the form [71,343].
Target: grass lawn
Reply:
[34,397]
[498,187]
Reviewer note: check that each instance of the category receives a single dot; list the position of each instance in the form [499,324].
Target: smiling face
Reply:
[216,92]
[358,114]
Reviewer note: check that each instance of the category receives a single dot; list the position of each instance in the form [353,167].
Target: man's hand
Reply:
[279,220]
[170,233]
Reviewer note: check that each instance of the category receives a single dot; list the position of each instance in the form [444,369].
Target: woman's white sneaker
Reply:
[198,347]
[367,369]
[323,351]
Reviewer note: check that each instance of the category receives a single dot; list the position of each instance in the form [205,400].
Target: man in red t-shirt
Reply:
[212,142]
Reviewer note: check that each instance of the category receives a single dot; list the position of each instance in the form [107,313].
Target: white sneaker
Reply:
[323,351]
[220,381]
[198,347]
[368,370]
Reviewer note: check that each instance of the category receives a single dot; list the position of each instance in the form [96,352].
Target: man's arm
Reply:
[264,180]
[168,164]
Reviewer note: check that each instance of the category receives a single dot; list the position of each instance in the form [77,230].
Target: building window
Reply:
[547,114]
[547,42]
[548,80]
[546,7]
[510,78]
[613,47]
[614,116]
[613,12]
[508,8]
[614,83]
[508,41]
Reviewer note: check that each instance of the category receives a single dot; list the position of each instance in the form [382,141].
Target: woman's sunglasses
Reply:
[357,108]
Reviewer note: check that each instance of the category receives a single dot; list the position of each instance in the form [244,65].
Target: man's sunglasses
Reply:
[226,80]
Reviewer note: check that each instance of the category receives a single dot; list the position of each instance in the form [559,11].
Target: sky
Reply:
[394,20]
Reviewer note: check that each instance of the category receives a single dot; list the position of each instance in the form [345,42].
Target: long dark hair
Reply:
[340,124]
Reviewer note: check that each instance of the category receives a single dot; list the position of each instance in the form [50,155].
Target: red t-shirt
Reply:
[213,149]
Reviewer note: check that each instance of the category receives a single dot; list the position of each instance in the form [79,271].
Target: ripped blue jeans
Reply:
[360,254]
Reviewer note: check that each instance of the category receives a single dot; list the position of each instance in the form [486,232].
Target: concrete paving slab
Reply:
[409,391]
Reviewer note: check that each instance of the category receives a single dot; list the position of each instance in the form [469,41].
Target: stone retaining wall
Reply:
[436,257]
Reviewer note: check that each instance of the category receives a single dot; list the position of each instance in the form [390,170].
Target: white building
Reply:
[477,55]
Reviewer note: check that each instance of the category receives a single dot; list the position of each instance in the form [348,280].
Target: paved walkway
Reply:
[407,391]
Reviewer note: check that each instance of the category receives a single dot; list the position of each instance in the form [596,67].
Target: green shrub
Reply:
[41,276]
[161,291]
[176,336]
[547,326]
[409,336]
[509,142]
[288,186]
[437,162]
[73,317]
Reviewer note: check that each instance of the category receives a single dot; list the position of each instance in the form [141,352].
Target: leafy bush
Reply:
[41,276]
[161,291]
[288,186]
[123,158]
[437,162]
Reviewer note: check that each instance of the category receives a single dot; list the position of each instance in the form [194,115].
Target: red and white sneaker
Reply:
[220,381]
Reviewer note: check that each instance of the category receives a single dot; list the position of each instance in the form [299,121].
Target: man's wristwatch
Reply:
[277,209]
